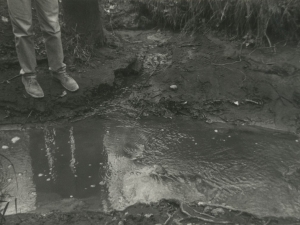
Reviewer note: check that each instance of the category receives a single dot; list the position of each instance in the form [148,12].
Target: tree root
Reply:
[201,218]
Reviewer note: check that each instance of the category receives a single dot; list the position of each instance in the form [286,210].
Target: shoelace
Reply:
[30,80]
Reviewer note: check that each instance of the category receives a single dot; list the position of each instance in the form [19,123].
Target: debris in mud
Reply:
[236,103]
[15,140]
[218,211]
[173,87]
[63,94]
[4,19]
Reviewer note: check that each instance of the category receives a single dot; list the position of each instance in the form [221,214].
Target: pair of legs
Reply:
[21,17]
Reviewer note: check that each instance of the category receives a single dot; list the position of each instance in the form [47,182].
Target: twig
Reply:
[189,45]
[170,217]
[204,214]
[221,206]
[15,173]
[262,48]
[29,114]
[269,220]
[10,79]
[201,218]
[215,64]
[4,211]
[132,42]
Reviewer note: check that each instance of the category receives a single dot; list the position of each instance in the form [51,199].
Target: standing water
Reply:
[101,165]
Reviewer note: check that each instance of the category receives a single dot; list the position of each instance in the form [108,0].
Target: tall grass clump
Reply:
[251,18]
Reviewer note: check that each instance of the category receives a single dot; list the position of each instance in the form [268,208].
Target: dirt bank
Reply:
[216,80]
[164,212]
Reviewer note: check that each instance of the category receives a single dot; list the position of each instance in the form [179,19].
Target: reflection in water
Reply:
[49,136]
[18,153]
[72,145]
[73,166]
[102,165]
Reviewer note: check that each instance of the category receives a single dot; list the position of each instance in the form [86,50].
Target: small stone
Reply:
[71,196]
[93,185]
[15,140]
[40,175]
[207,209]
[4,19]
[297,141]
[102,183]
[63,94]
[216,131]
[4,147]
[218,211]
[173,87]
[48,179]
[236,103]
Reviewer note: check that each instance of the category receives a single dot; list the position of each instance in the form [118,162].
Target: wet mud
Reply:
[214,83]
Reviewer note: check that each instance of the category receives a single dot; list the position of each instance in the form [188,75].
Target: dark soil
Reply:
[164,212]
[217,80]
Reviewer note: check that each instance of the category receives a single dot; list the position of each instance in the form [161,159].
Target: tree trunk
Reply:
[87,17]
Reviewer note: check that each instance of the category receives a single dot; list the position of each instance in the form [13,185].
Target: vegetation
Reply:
[252,19]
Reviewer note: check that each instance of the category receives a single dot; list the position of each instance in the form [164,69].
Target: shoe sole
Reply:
[32,95]
[56,79]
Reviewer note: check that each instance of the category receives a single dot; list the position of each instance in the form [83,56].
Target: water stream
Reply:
[100,164]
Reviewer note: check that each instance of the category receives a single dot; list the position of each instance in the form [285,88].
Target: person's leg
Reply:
[48,11]
[21,19]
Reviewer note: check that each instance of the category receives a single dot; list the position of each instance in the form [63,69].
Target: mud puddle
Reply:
[102,164]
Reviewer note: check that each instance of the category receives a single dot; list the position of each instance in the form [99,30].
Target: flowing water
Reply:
[100,164]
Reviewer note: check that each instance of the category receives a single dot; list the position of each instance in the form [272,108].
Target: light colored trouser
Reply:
[21,17]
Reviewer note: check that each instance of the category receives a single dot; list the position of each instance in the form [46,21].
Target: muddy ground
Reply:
[141,73]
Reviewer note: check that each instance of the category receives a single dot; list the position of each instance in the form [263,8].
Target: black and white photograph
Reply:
[149,112]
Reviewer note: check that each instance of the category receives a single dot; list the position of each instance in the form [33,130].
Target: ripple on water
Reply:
[119,163]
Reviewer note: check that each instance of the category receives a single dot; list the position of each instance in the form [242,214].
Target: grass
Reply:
[251,19]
